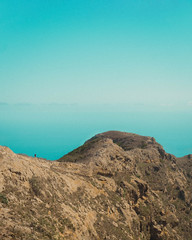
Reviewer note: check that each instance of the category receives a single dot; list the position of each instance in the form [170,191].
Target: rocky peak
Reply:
[110,140]
[126,140]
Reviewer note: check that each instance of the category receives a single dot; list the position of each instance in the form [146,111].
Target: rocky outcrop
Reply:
[115,186]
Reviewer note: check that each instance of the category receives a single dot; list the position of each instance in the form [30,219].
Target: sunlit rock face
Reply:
[116,186]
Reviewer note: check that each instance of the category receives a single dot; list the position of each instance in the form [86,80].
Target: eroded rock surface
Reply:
[116,186]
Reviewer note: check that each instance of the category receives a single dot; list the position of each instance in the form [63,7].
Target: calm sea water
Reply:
[52,131]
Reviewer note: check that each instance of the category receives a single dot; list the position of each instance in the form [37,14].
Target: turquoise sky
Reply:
[96,51]
[70,69]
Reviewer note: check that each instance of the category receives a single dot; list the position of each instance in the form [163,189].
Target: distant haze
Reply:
[50,131]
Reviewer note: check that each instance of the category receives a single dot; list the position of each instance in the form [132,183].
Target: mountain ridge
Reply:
[115,186]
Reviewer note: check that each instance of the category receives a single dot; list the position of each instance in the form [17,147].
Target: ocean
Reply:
[52,130]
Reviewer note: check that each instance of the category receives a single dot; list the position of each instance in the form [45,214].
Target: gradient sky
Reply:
[96,51]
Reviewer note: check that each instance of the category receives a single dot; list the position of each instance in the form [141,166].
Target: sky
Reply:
[70,69]
[96,52]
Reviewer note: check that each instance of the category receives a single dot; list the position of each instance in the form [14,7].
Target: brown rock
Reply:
[116,186]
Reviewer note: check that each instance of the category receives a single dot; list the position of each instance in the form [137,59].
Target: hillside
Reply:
[116,186]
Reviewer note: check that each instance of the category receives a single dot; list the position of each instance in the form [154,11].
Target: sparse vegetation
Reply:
[143,145]
[36,185]
[78,153]
[66,222]
[3,199]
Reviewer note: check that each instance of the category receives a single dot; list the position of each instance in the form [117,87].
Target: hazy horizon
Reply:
[50,131]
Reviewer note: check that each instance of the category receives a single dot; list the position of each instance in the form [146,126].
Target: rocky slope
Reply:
[115,186]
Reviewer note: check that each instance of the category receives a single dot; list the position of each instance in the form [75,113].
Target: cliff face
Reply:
[115,186]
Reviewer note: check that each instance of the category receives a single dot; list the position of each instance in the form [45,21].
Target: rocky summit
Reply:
[117,186]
